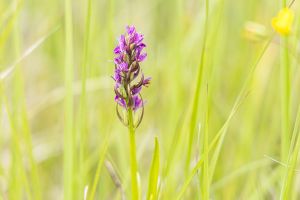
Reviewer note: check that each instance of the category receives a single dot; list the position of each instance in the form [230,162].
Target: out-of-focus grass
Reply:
[153,184]
[69,138]
[59,130]
[82,119]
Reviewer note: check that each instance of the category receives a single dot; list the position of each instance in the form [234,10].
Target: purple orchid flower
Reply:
[128,56]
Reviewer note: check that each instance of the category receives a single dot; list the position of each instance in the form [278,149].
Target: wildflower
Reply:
[282,23]
[128,77]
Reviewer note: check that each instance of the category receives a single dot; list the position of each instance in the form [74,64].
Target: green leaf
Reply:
[102,155]
[154,174]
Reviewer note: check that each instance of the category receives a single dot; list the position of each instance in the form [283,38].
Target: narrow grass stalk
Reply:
[103,151]
[19,178]
[83,107]
[20,104]
[8,27]
[194,114]
[20,118]
[285,98]
[69,138]
[292,161]
[133,161]
[205,181]
[210,147]
[154,174]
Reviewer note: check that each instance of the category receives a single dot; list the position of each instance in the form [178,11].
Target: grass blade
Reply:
[204,183]
[83,129]
[19,177]
[285,97]
[195,105]
[214,142]
[99,167]
[154,174]
[69,137]
[292,163]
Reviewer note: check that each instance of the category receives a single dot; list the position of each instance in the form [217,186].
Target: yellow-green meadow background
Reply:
[60,137]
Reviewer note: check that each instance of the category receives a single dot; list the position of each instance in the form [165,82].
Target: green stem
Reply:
[194,114]
[285,98]
[133,162]
[69,138]
[288,182]
[284,94]
[283,3]
[205,181]
[83,105]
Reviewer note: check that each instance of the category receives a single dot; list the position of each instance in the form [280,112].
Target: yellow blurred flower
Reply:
[282,23]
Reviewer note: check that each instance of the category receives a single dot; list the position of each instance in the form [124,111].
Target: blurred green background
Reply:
[33,95]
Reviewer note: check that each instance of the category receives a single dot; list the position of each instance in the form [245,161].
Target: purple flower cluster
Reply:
[128,76]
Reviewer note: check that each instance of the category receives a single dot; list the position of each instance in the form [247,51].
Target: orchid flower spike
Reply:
[128,77]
